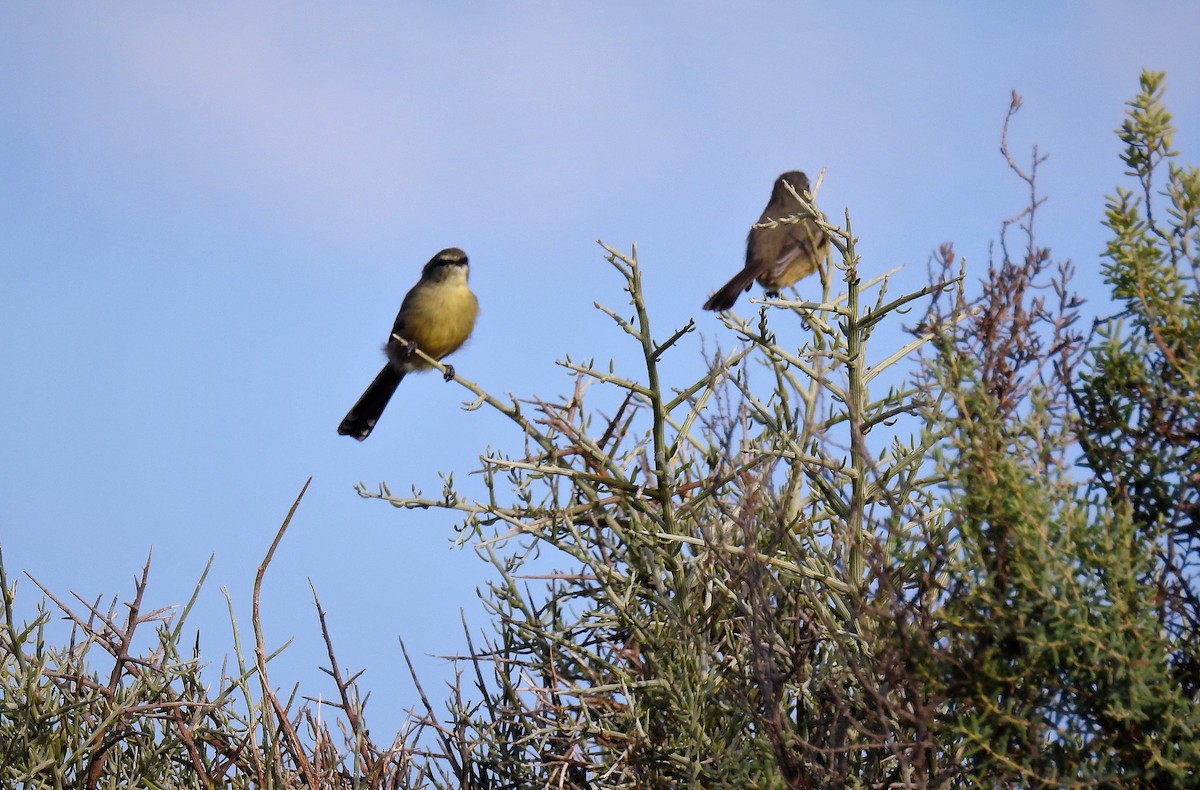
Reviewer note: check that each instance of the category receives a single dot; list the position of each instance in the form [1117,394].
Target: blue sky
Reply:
[210,212]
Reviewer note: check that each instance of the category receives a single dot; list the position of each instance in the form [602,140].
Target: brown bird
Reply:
[437,316]
[778,256]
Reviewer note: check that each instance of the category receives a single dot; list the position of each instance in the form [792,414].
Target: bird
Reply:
[778,256]
[436,316]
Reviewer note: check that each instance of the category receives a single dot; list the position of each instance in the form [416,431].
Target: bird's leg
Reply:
[409,345]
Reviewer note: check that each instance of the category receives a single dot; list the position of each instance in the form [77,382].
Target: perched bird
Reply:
[778,256]
[437,316]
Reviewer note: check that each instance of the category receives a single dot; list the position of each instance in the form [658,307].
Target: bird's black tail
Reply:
[361,419]
[728,293]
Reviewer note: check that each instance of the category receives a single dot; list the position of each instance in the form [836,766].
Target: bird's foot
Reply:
[449,373]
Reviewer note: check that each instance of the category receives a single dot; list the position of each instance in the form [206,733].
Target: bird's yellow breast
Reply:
[439,317]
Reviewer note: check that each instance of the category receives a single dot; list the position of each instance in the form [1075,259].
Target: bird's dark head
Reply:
[449,262]
[796,178]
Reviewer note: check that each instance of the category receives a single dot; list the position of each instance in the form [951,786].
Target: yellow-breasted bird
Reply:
[437,316]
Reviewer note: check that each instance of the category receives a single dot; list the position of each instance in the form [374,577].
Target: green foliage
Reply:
[1140,417]
[65,725]
[149,720]
[1059,648]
